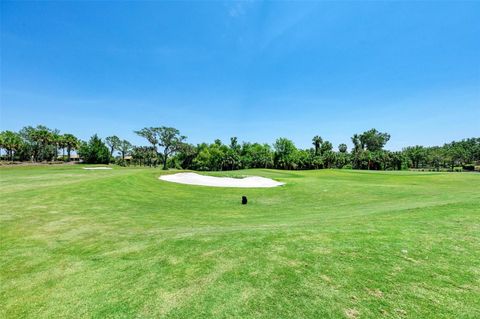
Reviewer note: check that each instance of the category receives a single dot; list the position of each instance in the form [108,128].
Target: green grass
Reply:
[328,244]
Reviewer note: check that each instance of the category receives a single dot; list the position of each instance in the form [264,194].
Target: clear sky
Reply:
[256,70]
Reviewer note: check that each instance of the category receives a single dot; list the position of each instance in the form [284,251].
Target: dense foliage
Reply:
[167,147]
[95,151]
[37,144]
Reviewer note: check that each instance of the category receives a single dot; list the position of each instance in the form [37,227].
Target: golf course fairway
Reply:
[121,243]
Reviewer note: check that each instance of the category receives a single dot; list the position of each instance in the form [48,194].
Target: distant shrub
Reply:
[348,166]
[469,167]
[121,162]
[458,169]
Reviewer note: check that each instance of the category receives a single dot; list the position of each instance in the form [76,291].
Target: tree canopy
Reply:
[167,146]
[94,151]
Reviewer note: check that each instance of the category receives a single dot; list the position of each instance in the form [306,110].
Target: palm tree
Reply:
[55,139]
[71,142]
[62,143]
[356,143]
[11,141]
[42,136]
[2,142]
[317,142]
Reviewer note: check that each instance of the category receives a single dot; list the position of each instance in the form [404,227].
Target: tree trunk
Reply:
[68,153]
[165,161]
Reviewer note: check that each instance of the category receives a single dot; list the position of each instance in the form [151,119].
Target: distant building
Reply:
[73,158]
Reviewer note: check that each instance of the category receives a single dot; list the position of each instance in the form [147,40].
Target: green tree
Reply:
[261,155]
[234,144]
[373,140]
[114,143]
[186,154]
[55,140]
[202,161]
[125,147]
[95,151]
[417,154]
[285,154]
[342,148]
[144,155]
[317,142]
[170,140]
[456,154]
[38,142]
[71,143]
[326,147]
[150,134]
[11,142]
[231,159]
[62,144]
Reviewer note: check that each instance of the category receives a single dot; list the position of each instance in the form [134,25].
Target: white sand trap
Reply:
[97,168]
[197,179]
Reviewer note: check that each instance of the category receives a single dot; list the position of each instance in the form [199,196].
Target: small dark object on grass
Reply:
[244,200]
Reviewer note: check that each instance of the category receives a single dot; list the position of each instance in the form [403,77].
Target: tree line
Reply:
[169,149]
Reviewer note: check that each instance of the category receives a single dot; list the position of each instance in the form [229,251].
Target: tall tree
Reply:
[186,154]
[417,154]
[124,147]
[285,152]
[62,144]
[11,142]
[326,147]
[261,155]
[234,144]
[356,143]
[95,151]
[71,143]
[55,140]
[170,140]
[39,142]
[113,143]
[317,142]
[373,140]
[150,134]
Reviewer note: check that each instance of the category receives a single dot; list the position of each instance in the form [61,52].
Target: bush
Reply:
[458,169]
[469,167]
[121,162]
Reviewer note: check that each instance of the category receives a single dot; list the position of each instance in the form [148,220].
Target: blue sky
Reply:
[256,70]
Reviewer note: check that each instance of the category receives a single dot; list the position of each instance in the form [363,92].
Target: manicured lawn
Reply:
[329,244]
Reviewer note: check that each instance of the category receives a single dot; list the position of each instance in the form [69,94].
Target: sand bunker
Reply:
[197,179]
[97,168]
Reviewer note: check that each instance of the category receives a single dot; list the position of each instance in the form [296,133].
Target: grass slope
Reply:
[329,244]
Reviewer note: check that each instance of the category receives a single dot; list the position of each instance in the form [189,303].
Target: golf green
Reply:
[121,243]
